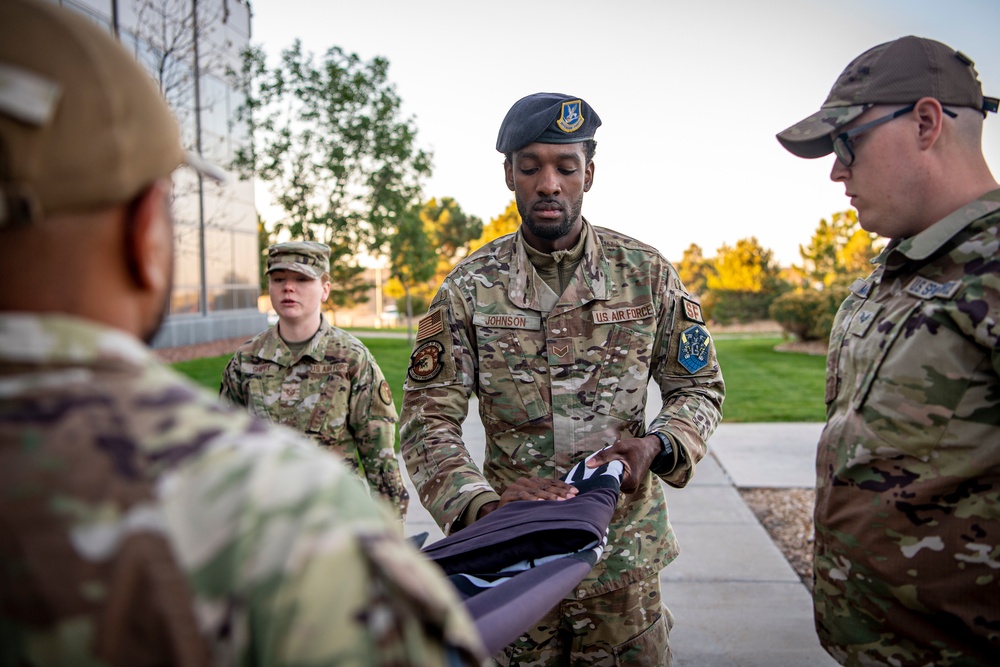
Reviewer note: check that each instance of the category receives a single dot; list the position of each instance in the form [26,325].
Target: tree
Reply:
[743,282]
[839,247]
[694,270]
[264,241]
[176,41]
[445,231]
[505,223]
[340,160]
[412,258]
[838,252]
[451,230]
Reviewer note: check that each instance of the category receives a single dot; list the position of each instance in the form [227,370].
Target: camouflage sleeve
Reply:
[284,545]
[689,377]
[231,388]
[439,381]
[372,422]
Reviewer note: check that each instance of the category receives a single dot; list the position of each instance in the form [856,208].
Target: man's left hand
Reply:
[636,454]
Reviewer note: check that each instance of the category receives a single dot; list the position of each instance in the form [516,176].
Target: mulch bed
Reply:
[787,515]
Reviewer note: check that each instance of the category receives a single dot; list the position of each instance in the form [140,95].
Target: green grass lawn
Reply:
[767,386]
[761,384]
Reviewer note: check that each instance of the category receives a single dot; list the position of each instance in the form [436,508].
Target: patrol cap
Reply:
[897,72]
[307,257]
[548,118]
[82,125]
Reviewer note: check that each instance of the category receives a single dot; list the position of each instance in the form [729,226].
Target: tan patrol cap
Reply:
[82,125]
[897,72]
[307,257]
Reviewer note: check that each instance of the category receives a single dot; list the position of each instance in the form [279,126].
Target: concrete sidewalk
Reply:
[735,599]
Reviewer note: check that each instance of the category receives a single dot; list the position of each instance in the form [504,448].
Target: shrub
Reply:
[808,314]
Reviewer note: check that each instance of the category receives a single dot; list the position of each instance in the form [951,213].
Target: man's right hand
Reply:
[531,488]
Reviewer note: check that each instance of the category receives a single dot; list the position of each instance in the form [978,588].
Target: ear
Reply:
[588,176]
[149,238]
[326,289]
[508,172]
[930,121]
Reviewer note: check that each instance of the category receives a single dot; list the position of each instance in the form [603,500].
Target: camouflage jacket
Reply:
[559,378]
[144,523]
[333,391]
[908,500]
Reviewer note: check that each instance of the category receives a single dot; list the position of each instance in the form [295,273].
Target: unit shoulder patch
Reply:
[426,362]
[385,393]
[694,349]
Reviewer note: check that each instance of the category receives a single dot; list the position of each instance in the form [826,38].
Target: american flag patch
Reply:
[430,325]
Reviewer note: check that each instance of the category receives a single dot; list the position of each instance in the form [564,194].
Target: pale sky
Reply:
[690,92]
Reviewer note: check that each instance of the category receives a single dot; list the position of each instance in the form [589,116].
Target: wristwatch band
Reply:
[664,461]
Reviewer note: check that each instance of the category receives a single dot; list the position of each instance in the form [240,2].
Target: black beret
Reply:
[547,118]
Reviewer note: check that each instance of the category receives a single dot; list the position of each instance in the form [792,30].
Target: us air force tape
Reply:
[694,349]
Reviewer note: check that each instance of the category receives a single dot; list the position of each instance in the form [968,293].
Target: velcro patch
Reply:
[693,351]
[863,319]
[623,314]
[385,393]
[426,362]
[692,310]
[924,288]
[430,325]
[508,321]
[861,287]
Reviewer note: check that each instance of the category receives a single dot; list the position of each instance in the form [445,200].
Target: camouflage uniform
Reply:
[142,523]
[333,392]
[908,500]
[559,378]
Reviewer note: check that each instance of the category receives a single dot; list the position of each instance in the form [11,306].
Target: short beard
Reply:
[548,232]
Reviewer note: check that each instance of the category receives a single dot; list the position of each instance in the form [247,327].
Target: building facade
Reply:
[188,46]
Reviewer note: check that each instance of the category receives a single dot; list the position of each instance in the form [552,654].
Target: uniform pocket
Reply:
[624,374]
[259,401]
[508,388]
[919,373]
[329,405]
[649,647]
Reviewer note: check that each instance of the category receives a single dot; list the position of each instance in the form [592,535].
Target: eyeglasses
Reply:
[843,143]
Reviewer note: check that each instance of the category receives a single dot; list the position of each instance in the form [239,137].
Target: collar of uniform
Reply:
[594,286]
[932,239]
[277,351]
[61,339]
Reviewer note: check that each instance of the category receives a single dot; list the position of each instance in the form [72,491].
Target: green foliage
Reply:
[839,247]
[264,241]
[741,282]
[761,384]
[839,252]
[452,229]
[809,313]
[412,257]
[505,223]
[330,142]
[694,269]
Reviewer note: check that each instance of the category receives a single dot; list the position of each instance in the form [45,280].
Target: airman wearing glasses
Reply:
[907,557]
